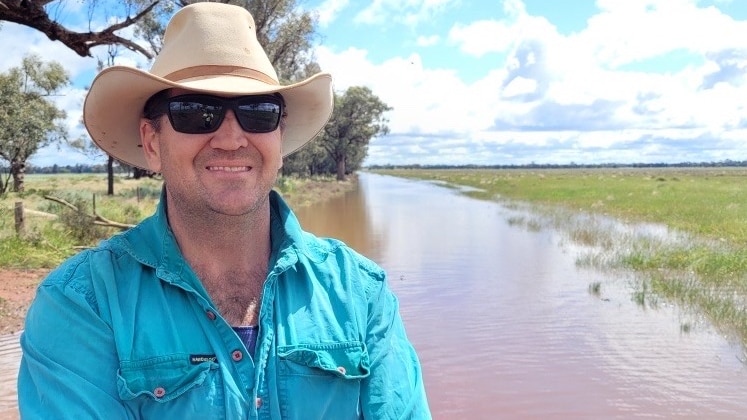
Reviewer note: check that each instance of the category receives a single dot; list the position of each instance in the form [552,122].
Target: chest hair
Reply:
[236,294]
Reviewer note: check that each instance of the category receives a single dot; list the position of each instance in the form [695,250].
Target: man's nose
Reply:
[230,135]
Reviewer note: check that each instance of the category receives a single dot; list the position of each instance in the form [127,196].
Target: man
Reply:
[218,305]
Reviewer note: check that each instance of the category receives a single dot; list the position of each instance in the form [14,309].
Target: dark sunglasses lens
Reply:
[194,117]
[258,116]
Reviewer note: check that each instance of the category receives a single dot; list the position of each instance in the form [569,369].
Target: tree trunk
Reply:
[110,176]
[341,168]
[20,219]
[18,170]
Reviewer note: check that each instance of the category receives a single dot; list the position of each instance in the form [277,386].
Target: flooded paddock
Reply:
[504,322]
[503,319]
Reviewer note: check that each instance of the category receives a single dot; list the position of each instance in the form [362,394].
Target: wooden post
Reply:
[20,219]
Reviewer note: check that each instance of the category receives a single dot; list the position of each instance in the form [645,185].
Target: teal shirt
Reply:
[126,330]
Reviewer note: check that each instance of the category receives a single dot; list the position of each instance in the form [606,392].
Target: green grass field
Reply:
[701,265]
[54,232]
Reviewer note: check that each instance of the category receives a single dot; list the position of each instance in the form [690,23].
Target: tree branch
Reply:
[97,219]
[31,13]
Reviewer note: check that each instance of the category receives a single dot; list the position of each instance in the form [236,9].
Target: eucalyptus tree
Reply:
[29,120]
[359,116]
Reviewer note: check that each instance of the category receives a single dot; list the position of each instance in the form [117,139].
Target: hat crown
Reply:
[211,34]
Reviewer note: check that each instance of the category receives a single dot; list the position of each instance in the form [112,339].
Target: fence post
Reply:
[20,219]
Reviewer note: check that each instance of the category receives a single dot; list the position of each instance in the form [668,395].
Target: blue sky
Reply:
[515,82]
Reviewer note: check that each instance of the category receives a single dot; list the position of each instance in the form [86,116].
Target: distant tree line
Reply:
[72,169]
[572,165]
[319,166]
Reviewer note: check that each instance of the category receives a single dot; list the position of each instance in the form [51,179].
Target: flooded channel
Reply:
[504,322]
[503,319]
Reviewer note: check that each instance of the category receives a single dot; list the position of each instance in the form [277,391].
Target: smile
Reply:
[229,168]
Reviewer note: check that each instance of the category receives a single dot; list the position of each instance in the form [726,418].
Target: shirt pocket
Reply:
[321,380]
[169,384]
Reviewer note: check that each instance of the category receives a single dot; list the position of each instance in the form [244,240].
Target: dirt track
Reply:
[17,290]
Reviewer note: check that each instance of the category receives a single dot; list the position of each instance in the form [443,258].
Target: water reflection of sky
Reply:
[504,322]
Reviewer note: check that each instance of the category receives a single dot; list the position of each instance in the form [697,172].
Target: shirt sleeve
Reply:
[69,366]
[394,388]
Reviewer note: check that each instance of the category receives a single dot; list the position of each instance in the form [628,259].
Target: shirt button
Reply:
[210,315]
[341,369]
[237,355]
[258,402]
[159,392]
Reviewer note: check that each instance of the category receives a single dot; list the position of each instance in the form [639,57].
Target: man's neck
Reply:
[220,243]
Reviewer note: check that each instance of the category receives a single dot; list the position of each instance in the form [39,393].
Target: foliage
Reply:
[357,118]
[311,160]
[28,120]
[79,224]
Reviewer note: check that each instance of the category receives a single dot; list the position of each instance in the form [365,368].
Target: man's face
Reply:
[229,171]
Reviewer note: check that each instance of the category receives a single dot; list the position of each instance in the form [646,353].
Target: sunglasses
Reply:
[201,114]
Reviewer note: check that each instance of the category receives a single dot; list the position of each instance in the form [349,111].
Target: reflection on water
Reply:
[505,325]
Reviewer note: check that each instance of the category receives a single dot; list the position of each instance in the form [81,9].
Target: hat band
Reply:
[199,71]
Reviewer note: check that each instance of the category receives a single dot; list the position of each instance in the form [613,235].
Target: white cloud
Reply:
[427,41]
[18,41]
[483,37]
[329,10]
[557,96]
[520,86]
[424,101]
[631,31]
[410,12]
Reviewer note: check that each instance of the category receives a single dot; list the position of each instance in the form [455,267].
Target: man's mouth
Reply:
[229,168]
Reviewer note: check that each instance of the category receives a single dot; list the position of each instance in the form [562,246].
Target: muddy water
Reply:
[10,360]
[504,322]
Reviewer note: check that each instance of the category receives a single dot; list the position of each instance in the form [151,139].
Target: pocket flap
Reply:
[161,378]
[347,360]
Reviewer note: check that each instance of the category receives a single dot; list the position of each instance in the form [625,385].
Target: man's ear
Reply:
[149,139]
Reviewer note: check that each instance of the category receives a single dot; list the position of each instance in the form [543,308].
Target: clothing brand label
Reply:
[196,359]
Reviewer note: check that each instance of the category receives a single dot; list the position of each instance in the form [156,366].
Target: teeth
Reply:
[229,168]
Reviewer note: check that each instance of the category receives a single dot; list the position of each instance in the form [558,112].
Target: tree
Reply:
[357,118]
[28,120]
[310,160]
[40,15]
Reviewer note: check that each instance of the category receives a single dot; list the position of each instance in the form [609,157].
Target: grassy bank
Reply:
[54,231]
[701,262]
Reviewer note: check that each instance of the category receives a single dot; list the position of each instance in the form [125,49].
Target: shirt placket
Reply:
[264,349]
[233,351]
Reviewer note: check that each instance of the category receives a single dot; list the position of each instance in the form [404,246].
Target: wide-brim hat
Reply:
[210,48]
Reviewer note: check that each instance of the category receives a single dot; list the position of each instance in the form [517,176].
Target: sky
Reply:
[509,82]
